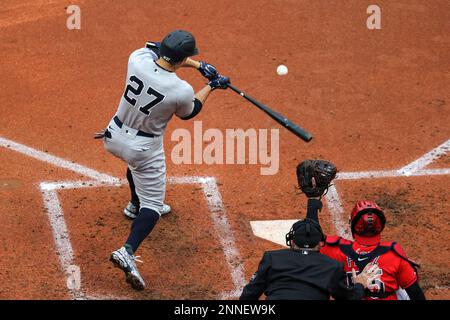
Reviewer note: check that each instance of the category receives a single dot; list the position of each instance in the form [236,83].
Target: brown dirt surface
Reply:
[373,99]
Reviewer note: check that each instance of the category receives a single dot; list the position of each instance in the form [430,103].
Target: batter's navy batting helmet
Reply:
[367,219]
[177,45]
[305,234]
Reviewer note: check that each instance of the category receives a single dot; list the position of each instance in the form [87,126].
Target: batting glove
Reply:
[219,82]
[208,70]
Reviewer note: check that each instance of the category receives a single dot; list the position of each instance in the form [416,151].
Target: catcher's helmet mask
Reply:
[370,213]
[305,233]
[178,45]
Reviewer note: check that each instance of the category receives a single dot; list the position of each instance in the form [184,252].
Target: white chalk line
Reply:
[57,162]
[337,212]
[60,232]
[414,169]
[390,174]
[222,228]
[427,158]
[225,234]
[59,227]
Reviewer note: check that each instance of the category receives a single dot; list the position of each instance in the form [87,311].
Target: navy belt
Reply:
[139,133]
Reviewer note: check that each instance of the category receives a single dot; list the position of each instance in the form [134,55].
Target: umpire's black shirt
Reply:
[293,274]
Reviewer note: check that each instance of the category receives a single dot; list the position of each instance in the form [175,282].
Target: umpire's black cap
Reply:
[178,45]
[305,233]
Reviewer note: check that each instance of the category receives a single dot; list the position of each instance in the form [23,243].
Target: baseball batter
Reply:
[153,94]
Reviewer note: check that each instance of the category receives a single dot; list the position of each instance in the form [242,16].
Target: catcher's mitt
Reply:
[323,173]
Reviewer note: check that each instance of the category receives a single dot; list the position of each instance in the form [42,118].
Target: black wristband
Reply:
[313,206]
[197,108]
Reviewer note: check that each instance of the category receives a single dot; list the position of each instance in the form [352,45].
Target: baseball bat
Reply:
[285,122]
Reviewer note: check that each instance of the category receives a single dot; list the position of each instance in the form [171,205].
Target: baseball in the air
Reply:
[282,70]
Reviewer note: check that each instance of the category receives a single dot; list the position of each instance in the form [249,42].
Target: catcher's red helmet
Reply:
[367,219]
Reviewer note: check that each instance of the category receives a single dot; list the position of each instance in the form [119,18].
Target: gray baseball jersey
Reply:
[152,94]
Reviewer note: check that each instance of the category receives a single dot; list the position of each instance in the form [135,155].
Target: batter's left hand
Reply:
[208,70]
[220,82]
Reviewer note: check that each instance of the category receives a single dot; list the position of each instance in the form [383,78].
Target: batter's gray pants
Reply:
[146,160]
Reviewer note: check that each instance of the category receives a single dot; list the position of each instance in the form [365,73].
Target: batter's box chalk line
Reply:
[49,191]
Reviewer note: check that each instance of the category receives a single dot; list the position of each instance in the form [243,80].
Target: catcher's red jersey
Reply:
[397,270]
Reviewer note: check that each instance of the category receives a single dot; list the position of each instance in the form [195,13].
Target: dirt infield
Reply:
[375,100]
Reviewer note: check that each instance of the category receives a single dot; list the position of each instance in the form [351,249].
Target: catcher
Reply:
[367,221]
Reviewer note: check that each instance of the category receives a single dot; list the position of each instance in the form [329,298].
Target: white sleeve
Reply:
[143,53]
[185,101]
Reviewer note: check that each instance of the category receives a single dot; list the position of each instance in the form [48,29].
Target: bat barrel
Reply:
[295,129]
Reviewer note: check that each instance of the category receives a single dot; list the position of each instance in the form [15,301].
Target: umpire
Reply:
[302,273]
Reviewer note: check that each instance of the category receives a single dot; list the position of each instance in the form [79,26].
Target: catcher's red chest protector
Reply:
[397,269]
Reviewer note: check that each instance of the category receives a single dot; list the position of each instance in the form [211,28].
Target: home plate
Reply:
[272,230]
